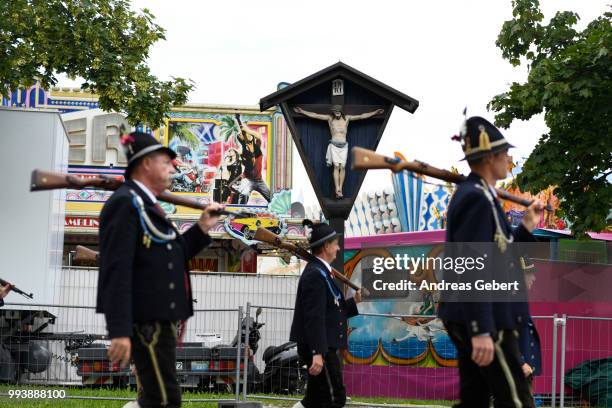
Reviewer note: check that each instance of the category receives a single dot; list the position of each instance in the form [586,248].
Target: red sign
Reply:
[81,222]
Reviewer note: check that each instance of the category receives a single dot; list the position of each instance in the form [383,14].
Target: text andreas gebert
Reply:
[458,265]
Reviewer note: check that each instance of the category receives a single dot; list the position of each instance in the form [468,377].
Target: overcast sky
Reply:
[441,53]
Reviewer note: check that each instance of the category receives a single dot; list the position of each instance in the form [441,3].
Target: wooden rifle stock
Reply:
[364,159]
[85,254]
[271,238]
[16,289]
[47,180]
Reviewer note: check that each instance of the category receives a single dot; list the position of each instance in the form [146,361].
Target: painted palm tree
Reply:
[182,131]
[229,127]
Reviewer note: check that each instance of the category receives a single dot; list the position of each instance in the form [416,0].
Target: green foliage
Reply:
[570,80]
[182,130]
[229,127]
[101,41]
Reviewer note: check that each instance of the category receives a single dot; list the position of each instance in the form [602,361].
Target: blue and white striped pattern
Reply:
[409,197]
[421,206]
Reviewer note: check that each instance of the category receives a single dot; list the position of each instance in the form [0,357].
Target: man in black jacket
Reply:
[320,322]
[143,285]
[485,332]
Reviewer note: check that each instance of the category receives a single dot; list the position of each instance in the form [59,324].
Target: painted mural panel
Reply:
[407,356]
[416,337]
[222,160]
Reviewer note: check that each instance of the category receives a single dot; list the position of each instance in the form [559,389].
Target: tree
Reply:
[570,80]
[101,41]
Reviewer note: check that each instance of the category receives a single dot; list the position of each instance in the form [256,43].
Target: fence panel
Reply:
[281,373]
[586,362]
[67,345]
[78,286]
[413,360]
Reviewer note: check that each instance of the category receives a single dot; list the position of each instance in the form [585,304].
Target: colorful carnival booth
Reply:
[212,143]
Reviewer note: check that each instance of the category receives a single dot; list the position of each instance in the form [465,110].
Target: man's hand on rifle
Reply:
[357,296]
[208,219]
[119,351]
[5,289]
[532,216]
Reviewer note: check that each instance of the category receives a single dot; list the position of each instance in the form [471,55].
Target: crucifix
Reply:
[338,116]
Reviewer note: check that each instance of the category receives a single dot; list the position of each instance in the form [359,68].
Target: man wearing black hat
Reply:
[320,322]
[485,332]
[529,339]
[143,284]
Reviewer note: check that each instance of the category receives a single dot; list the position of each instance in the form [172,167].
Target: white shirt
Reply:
[327,265]
[492,190]
[146,190]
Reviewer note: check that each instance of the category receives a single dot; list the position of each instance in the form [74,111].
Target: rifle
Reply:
[85,254]
[364,159]
[47,180]
[271,238]
[16,289]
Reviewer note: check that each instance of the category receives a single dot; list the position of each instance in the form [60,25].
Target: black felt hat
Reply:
[479,138]
[320,234]
[137,145]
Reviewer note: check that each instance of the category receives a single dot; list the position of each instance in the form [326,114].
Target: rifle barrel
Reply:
[47,180]
[16,289]
[364,159]
[271,238]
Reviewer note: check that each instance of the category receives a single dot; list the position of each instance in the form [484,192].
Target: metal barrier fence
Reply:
[418,367]
[591,338]
[78,286]
[576,343]
[61,345]
[585,361]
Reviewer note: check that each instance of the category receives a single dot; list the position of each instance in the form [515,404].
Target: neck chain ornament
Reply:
[500,237]
[332,288]
[150,231]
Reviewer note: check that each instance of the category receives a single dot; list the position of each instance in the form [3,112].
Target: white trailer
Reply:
[32,223]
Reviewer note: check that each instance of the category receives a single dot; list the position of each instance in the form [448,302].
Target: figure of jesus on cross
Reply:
[337,150]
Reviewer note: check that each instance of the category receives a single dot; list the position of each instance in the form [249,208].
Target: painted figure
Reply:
[252,160]
[231,176]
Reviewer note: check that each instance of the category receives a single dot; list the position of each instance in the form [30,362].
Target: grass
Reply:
[72,400]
